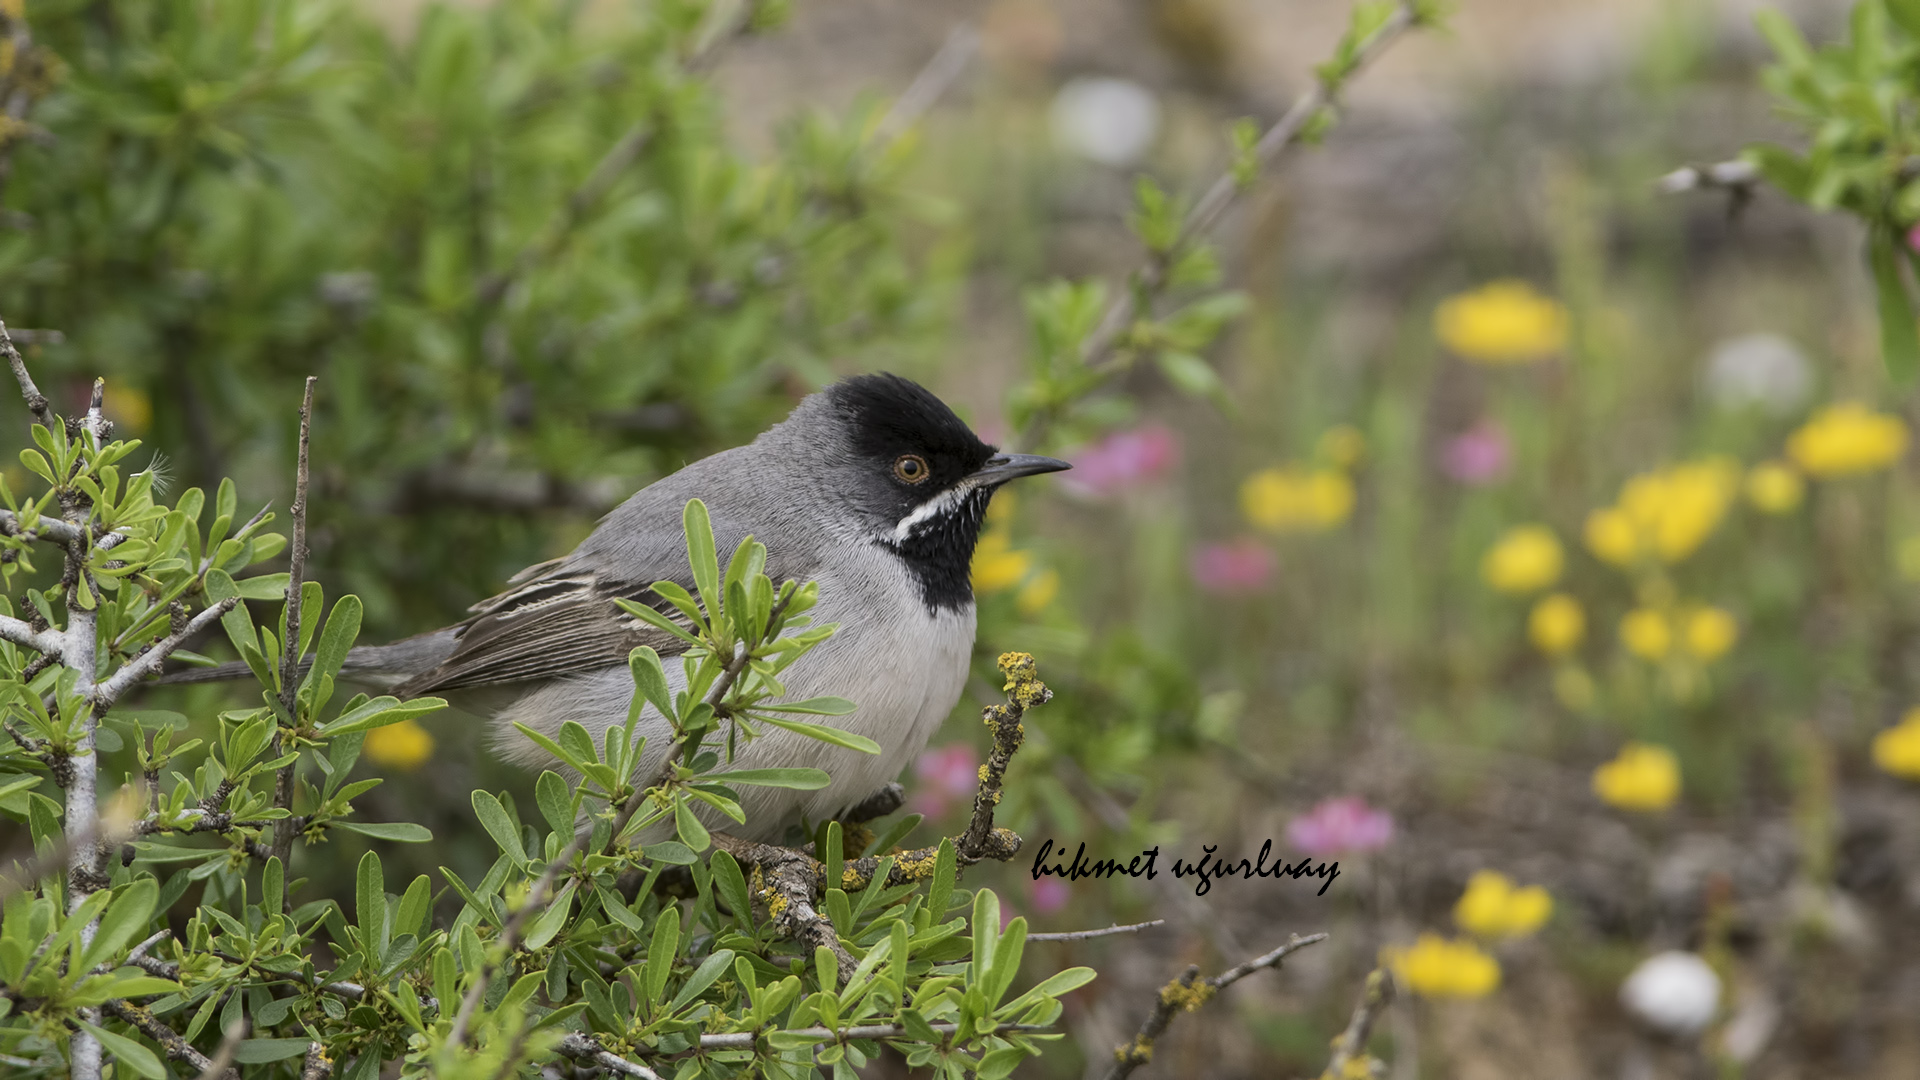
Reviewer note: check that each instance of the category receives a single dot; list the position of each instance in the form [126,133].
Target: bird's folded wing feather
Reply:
[557,620]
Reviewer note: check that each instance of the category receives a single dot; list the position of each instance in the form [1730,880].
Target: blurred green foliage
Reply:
[513,242]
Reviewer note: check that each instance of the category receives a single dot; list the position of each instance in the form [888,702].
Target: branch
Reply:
[149,662]
[1100,347]
[793,877]
[584,1048]
[282,847]
[955,53]
[317,1066]
[1088,935]
[1350,1049]
[22,633]
[170,1041]
[36,401]
[1188,993]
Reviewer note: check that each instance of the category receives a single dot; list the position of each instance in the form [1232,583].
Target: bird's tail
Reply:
[379,666]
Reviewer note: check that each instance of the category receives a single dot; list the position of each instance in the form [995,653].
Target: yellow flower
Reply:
[1491,907]
[1525,558]
[1667,513]
[1897,749]
[1847,438]
[405,745]
[1038,592]
[1557,624]
[1437,967]
[996,565]
[1342,446]
[1773,487]
[1502,322]
[1643,777]
[1285,500]
[1646,633]
[1710,632]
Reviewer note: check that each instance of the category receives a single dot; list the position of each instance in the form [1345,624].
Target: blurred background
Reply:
[1541,545]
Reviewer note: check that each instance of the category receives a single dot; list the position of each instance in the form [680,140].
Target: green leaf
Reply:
[690,831]
[411,917]
[672,852]
[815,706]
[1899,329]
[650,679]
[797,779]
[940,894]
[701,556]
[261,1051]
[556,802]
[343,627]
[731,884]
[126,1051]
[1052,986]
[552,919]
[263,587]
[660,953]
[499,824]
[405,832]
[825,734]
[370,906]
[986,936]
[126,917]
[704,976]
[379,712]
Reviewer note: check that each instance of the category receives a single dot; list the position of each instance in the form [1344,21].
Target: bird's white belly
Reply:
[903,673]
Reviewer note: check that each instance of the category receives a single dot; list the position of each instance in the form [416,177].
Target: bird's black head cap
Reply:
[919,467]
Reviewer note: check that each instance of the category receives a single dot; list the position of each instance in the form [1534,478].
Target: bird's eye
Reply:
[911,468]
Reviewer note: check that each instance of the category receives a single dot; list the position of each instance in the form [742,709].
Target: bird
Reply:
[871,487]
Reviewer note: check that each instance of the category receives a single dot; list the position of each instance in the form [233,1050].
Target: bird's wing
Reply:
[552,625]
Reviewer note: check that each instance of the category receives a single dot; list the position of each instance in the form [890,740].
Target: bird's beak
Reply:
[1001,468]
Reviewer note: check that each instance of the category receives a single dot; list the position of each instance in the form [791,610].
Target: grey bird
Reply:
[872,487]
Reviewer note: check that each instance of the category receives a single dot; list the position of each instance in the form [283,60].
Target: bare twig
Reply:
[24,635]
[282,846]
[223,1056]
[170,1041]
[955,53]
[582,1047]
[1350,1049]
[1186,994]
[1088,935]
[1105,343]
[149,662]
[37,403]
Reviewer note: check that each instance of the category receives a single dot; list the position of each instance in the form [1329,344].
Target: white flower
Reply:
[1758,369]
[1673,992]
[1111,121]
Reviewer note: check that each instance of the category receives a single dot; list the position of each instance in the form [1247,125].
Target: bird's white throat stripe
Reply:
[943,503]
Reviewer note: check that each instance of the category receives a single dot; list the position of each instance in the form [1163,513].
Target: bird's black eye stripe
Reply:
[911,468]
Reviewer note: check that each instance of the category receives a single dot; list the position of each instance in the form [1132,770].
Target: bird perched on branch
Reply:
[873,488]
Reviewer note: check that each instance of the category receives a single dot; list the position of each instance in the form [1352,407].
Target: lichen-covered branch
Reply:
[1186,994]
[1350,1057]
[170,1041]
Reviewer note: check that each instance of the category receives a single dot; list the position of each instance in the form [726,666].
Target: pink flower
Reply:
[947,774]
[1340,825]
[1049,894]
[1122,460]
[1479,455]
[1234,567]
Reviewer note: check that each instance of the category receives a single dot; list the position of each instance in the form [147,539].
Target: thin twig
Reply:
[1088,935]
[149,662]
[582,1047]
[952,58]
[37,403]
[223,1056]
[1101,347]
[1187,993]
[1350,1049]
[282,846]
[317,1065]
[170,1041]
